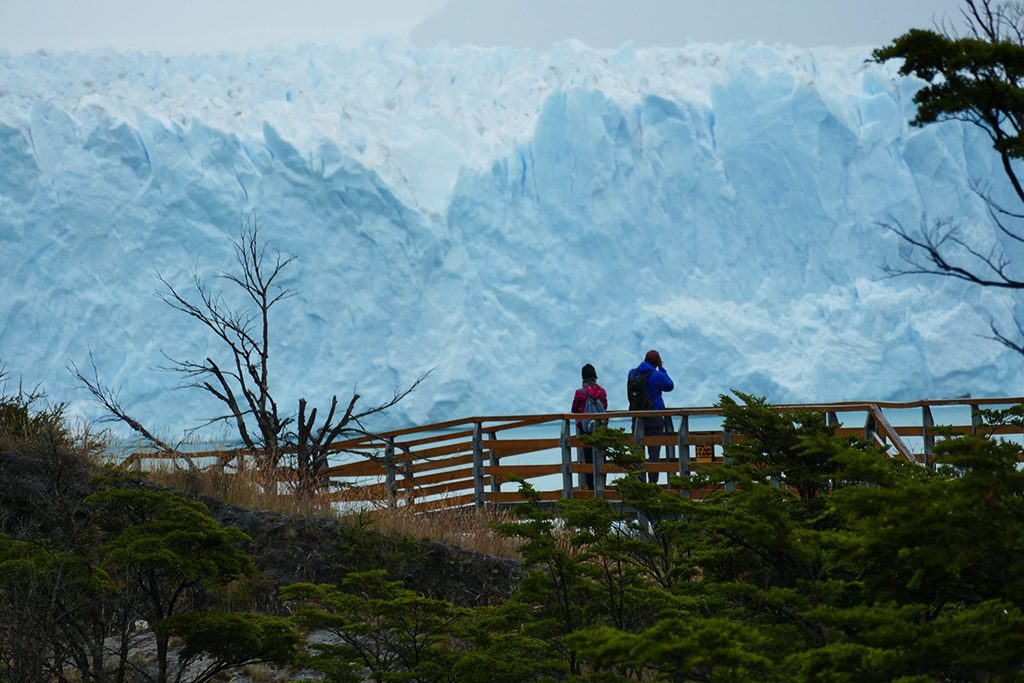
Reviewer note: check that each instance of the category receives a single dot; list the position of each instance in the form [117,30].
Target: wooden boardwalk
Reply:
[469,462]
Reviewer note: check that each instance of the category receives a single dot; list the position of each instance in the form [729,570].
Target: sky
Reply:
[210,25]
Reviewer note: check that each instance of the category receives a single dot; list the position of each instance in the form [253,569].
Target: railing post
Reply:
[638,431]
[409,474]
[683,438]
[638,440]
[870,428]
[564,442]
[598,476]
[478,466]
[495,461]
[670,451]
[975,418]
[580,460]
[928,424]
[390,480]
[726,458]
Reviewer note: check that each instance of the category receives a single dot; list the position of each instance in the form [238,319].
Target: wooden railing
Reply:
[467,462]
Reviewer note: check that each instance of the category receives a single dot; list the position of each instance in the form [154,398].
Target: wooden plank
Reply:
[436,438]
[468,433]
[514,497]
[525,471]
[883,425]
[510,452]
[504,446]
[428,479]
[662,466]
[1001,429]
[437,426]
[371,492]
[705,439]
[963,429]
[437,451]
[428,465]
[364,468]
[445,487]
[443,503]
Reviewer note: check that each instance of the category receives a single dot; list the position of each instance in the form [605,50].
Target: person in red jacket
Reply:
[593,390]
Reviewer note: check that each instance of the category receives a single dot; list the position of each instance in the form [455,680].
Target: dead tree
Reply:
[239,376]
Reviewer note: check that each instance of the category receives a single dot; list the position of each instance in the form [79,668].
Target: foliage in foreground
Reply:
[826,561]
[815,558]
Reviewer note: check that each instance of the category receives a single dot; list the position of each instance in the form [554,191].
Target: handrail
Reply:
[526,420]
[845,406]
[892,434]
[465,461]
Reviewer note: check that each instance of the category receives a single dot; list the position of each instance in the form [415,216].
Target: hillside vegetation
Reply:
[819,559]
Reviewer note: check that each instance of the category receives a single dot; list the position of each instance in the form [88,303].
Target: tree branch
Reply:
[108,398]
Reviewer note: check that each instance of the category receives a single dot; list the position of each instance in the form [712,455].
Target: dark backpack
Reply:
[636,390]
[593,405]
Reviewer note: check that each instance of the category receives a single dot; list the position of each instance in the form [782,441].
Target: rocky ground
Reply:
[40,498]
[321,550]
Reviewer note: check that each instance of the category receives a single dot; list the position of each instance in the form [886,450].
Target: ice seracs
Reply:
[500,215]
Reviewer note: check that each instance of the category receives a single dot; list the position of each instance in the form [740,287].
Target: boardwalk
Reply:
[469,462]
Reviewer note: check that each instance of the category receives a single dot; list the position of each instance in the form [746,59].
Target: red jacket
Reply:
[580,400]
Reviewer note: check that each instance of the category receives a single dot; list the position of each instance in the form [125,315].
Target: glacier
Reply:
[501,216]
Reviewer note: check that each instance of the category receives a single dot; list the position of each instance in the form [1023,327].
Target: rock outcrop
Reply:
[42,498]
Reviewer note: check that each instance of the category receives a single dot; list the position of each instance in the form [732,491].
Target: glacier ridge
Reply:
[499,215]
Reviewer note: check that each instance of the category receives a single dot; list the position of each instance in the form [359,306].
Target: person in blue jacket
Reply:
[658,382]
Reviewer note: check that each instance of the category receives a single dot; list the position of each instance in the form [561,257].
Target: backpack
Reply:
[590,424]
[636,390]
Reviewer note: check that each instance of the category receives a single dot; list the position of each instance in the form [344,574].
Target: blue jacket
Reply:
[657,382]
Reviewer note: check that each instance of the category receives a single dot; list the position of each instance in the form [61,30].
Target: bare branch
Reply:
[108,398]
[928,252]
[240,381]
[394,400]
[1005,340]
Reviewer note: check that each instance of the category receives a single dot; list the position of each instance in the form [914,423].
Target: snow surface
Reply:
[500,215]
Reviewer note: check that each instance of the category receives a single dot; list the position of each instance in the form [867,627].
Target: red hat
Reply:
[654,358]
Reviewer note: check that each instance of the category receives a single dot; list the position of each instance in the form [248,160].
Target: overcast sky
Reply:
[208,25]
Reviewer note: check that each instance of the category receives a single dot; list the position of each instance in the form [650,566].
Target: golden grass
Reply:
[247,488]
[464,528]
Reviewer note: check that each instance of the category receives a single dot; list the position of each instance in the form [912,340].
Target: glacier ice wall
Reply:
[502,216]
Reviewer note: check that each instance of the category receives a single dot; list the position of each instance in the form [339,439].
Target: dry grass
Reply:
[263,673]
[465,528]
[247,488]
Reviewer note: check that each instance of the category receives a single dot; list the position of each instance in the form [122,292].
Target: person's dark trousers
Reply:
[588,479]
[656,426]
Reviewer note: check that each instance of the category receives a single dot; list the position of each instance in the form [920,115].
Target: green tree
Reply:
[215,642]
[772,448]
[163,549]
[381,626]
[54,608]
[496,645]
[555,587]
[821,564]
[937,591]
